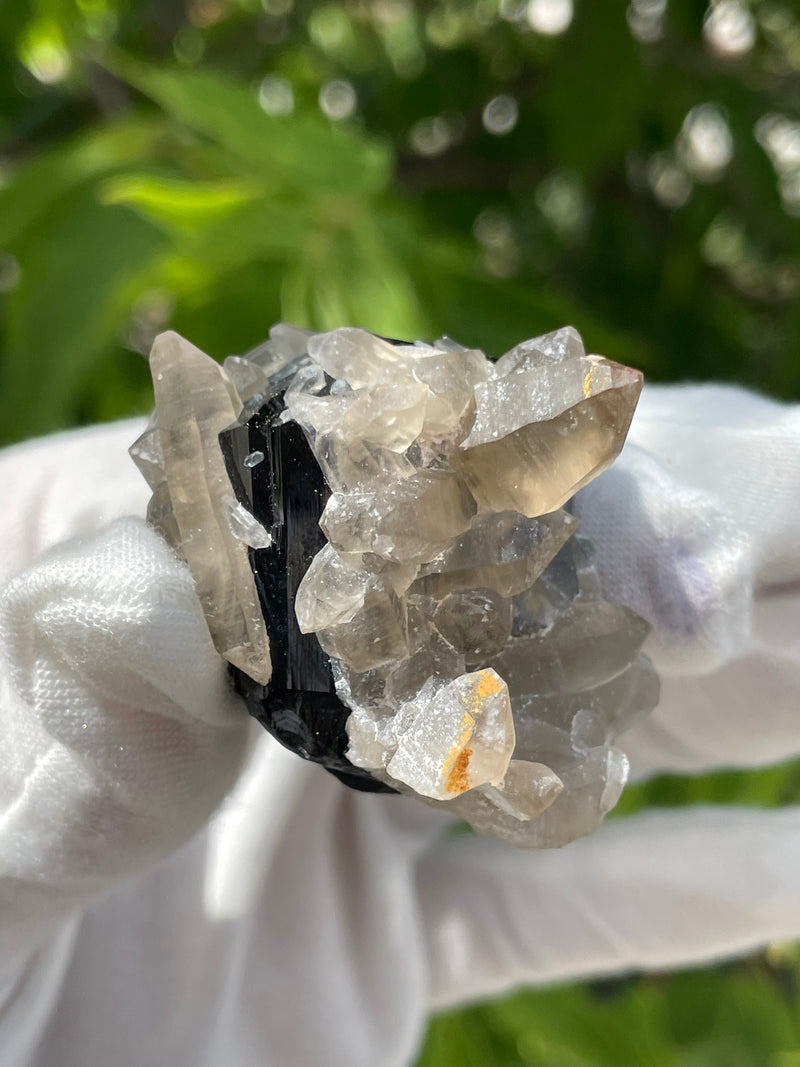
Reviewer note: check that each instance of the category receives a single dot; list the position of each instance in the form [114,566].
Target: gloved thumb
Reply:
[119,732]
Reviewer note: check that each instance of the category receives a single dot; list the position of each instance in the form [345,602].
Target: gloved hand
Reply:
[310,924]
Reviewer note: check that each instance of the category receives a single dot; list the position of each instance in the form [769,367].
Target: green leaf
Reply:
[589,97]
[180,205]
[82,267]
[464,301]
[267,227]
[305,150]
[235,313]
[34,187]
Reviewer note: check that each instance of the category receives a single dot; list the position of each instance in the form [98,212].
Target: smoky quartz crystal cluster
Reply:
[380,537]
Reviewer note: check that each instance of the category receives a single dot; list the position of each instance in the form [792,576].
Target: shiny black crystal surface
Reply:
[286,491]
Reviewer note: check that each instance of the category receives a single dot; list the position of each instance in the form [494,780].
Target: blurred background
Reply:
[491,169]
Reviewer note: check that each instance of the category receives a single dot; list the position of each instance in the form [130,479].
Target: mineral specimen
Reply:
[391,516]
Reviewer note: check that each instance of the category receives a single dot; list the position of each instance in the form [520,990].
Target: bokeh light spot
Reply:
[513,10]
[277,8]
[550,17]
[705,143]
[276,96]
[188,45]
[10,272]
[494,230]
[561,200]
[669,182]
[337,99]
[430,136]
[500,115]
[729,28]
[646,20]
[780,139]
[330,28]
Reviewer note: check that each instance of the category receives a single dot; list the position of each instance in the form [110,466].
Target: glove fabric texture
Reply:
[175,888]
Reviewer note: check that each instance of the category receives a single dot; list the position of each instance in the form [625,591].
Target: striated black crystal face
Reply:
[286,492]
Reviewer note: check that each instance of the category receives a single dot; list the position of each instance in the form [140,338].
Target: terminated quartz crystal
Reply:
[180,457]
[548,421]
[462,738]
[392,518]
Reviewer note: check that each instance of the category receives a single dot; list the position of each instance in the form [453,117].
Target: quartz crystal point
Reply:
[195,400]
[409,520]
[548,421]
[503,551]
[393,517]
[461,739]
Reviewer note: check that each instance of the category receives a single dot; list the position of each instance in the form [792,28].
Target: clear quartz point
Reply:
[195,400]
[560,345]
[542,433]
[477,622]
[503,551]
[464,738]
[401,507]
[376,634]
[409,520]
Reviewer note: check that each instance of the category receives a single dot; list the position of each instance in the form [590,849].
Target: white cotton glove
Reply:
[698,530]
[312,924]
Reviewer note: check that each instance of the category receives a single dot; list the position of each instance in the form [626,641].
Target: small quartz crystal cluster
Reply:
[379,539]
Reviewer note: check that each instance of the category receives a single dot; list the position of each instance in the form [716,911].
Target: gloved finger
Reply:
[739,448]
[699,514]
[745,714]
[241,842]
[656,891]
[119,731]
[676,557]
[66,485]
[325,965]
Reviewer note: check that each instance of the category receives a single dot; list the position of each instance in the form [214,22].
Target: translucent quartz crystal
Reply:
[432,659]
[589,644]
[545,426]
[389,416]
[408,521]
[462,739]
[527,789]
[437,627]
[447,376]
[477,622]
[194,401]
[560,345]
[356,357]
[375,635]
[248,379]
[450,378]
[332,591]
[280,356]
[148,456]
[506,552]
[359,436]
[244,527]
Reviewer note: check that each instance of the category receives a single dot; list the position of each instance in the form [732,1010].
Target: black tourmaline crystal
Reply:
[286,492]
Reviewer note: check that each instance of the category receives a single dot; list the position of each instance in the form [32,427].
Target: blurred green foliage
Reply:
[487,169]
[739,1015]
